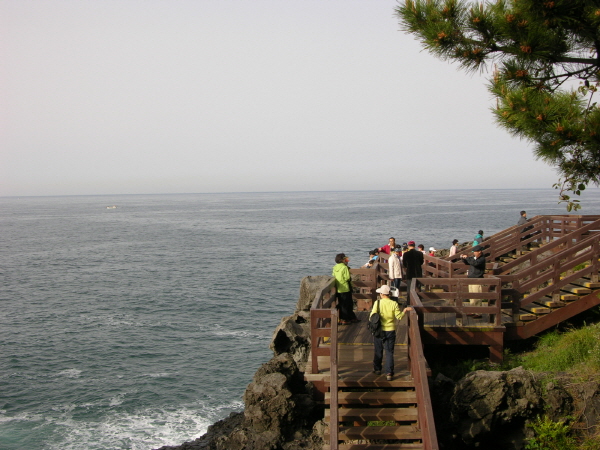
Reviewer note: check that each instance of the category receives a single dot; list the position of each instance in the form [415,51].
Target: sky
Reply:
[191,96]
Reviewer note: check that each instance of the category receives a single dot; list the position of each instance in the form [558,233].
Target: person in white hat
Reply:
[389,311]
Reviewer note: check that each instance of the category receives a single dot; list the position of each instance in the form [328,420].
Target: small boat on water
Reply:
[111,207]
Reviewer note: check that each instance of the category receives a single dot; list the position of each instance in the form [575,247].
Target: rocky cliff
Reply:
[483,410]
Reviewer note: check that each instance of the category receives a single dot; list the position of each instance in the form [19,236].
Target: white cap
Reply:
[431,249]
[385,289]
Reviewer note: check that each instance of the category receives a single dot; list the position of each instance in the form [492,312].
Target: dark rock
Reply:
[309,286]
[279,408]
[292,335]
[491,408]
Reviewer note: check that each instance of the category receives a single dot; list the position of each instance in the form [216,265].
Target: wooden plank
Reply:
[576,290]
[525,317]
[374,414]
[385,432]
[585,282]
[398,446]
[375,398]
[549,303]
[533,309]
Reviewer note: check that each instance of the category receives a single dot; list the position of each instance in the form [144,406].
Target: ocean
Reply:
[139,326]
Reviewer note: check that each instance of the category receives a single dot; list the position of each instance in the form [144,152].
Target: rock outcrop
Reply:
[492,409]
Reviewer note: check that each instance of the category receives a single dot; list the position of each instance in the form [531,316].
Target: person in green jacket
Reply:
[343,286]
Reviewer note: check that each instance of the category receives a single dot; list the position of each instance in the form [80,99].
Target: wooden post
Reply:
[333,385]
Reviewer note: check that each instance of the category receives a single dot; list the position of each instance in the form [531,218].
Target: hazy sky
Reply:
[176,96]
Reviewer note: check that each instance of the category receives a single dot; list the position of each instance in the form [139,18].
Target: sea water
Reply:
[138,326]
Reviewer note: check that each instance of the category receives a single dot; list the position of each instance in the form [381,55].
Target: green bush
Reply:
[550,435]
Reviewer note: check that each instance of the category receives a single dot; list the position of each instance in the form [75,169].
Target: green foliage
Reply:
[539,51]
[550,435]
[565,352]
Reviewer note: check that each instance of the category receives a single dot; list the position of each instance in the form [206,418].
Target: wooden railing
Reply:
[560,244]
[368,281]
[321,322]
[324,324]
[417,367]
[455,292]
[333,389]
[548,276]
[542,229]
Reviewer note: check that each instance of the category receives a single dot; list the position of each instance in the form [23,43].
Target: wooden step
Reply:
[374,414]
[378,381]
[374,398]
[587,283]
[402,446]
[525,317]
[549,303]
[537,310]
[576,290]
[385,432]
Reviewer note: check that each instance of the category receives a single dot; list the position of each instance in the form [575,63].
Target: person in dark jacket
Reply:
[412,261]
[476,265]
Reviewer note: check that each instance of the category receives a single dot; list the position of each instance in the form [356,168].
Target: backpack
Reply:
[374,324]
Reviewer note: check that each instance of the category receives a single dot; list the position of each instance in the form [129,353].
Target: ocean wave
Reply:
[69,373]
[142,430]
[219,330]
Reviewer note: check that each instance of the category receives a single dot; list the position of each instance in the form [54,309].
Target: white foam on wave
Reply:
[219,330]
[159,375]
[143,430]
[69,373]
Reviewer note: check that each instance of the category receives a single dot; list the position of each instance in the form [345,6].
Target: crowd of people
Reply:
[404,262]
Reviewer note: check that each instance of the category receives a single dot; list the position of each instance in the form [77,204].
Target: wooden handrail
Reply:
[550,270]
[320,318]
[333,386]
[544,228]
[455,289]
[416,360]
[565,242]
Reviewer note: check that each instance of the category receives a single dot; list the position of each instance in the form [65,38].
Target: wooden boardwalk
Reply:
[536,277]
[370,406]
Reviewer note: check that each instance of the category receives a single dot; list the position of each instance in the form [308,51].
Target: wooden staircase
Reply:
[551,280]
[375,413]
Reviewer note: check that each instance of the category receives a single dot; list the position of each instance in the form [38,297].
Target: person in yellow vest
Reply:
[389,312]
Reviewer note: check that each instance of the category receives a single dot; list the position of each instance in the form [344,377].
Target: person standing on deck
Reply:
[388,247]
[476,265]
[453,248]
[343,286]
[412,261]
[395,268]
[523,219]
[389,313]
[478,238]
